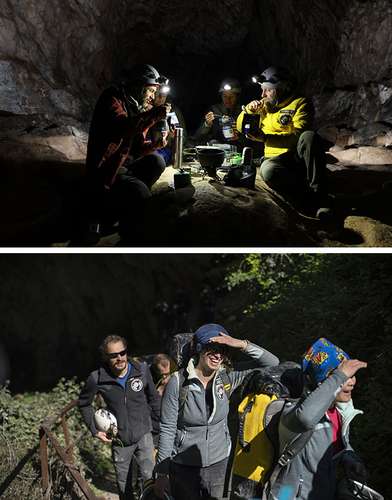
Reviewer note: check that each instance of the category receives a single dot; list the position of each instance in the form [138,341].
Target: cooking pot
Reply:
[210,158]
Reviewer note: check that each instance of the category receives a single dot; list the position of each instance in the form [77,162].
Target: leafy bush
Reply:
[20,419]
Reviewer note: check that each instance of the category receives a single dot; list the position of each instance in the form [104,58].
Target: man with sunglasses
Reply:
[194,439]
[128,390]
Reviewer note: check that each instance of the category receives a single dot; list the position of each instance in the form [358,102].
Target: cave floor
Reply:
[34,214]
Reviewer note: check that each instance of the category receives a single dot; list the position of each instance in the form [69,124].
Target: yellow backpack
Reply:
[257,453]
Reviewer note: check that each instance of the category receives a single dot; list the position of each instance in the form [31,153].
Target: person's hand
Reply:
[209,118]
[224,339]
[236,135]
[161,485]
[353,467]
[254,106]
[260,137]
[103,437]
[350,366]
[160,141]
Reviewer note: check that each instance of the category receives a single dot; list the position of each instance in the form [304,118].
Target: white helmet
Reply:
[105,421]
[349,489]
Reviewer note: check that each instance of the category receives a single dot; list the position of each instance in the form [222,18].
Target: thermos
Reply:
[178,144]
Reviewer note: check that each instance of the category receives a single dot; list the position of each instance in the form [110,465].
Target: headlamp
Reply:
[226,86]
[255,79]
[164,89]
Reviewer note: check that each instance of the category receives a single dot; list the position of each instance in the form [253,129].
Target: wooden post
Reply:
[43,453]
[68,443]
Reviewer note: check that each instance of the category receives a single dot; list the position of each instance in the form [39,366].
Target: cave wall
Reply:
[56,56]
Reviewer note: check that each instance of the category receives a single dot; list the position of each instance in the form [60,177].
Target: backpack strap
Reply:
[241,425]
[183,390]
[291,450]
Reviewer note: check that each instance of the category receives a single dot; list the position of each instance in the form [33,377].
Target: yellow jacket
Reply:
[283,127]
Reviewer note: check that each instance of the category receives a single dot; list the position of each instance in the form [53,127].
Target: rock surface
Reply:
[56,57]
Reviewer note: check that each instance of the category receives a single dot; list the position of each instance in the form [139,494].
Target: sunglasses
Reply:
[218,349]
[114,355]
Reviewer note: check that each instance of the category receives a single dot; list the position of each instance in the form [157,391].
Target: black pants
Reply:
[196,483]
[301,173]
[125,201]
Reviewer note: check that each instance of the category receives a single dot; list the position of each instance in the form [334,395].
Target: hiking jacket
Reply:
[311,475]
[131,406]
[118,132]
[188,435]
[283,127]
[205,133]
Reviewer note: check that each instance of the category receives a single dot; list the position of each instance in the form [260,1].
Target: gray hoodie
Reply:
[311,475]
[192,437]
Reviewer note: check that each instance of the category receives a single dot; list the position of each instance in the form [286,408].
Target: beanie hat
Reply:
[203,334]
[321,359]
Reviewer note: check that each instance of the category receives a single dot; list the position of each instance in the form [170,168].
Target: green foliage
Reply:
[346,298]
[20,419]
[269,276]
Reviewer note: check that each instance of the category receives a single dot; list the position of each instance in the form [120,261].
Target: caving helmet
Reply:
[105,422]
[275,77]
[145,74]
[230,84]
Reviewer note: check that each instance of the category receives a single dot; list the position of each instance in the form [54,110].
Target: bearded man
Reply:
[294,162]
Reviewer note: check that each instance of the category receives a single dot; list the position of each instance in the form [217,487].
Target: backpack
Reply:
[257,460]
[180,348]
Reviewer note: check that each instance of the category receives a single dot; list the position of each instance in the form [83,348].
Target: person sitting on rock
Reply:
[122,165]
[294,162]
[175,119]
[219,123]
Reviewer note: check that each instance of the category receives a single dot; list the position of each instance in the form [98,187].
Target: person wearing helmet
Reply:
[128,390]
[194,440]
[175,119]
[294,162]
[219,122]
[122,164]
[323,413]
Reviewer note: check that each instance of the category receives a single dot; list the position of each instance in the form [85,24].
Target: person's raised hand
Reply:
[225,339]
[350,366]
[209,118]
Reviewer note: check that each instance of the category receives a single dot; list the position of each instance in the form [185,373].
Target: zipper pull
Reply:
[300,486]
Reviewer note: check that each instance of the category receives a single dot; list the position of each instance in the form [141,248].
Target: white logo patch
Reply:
[220,390]
[137,384]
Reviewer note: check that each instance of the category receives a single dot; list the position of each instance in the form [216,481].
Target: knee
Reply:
[308,140]
[307,136]
[270,173]
[158,163]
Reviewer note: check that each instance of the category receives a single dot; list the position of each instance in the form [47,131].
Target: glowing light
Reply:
[227,87]
[165,89]
[255,79]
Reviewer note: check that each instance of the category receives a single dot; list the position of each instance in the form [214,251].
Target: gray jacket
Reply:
[311,475]
[189,436]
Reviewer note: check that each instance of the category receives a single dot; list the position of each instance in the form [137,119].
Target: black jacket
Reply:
[131,406]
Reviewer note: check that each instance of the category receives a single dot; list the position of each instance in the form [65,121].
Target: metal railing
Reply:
[66,454]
